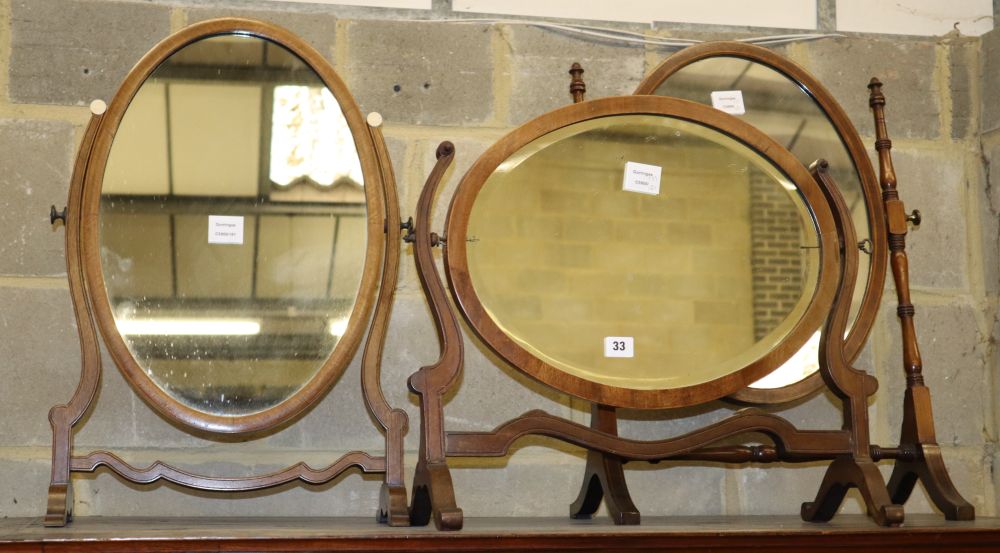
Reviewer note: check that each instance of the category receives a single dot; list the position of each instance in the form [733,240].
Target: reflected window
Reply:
[307,126]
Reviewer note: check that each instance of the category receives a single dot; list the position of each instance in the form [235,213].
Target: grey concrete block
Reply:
[990,75]
[934,182]
[37,161]
[781,489]
[541,58]
[990,218]
[989,213]
[40,361]
[991,185]
[23,486]
[673,489]
[954,354]
[318,29]
[906,69]
[534,481]
[71,52]
[964,80]
[398,149]
[421,73]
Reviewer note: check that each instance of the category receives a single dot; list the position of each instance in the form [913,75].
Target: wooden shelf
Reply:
[767,533]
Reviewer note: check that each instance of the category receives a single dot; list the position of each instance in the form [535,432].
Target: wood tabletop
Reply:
[765,533]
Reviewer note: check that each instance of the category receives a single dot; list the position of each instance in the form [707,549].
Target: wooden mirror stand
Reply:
[853,458]
[92,308]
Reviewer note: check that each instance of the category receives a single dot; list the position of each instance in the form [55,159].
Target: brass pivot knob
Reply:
[914,218]
[56,215]
[408,226]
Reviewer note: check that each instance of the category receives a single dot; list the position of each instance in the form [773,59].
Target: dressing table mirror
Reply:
[610,250]
[226,240]
[785,101]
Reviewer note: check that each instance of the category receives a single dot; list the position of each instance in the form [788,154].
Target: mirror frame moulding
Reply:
[464,294]
[346,347]
[859,331]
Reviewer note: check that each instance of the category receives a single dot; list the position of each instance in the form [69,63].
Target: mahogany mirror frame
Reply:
[91,303]
[469,302]
[859,331]
[93,274]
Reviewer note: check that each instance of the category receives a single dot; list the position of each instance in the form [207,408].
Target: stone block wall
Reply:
[471,84]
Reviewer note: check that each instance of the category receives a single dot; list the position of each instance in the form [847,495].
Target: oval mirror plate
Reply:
[646,252]
[234,223]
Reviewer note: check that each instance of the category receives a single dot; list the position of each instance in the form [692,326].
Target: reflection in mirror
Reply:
[706,273]
[781,108]
[233,225]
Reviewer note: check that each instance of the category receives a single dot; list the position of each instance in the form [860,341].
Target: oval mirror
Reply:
[625,258]
[783,100]
[233,213]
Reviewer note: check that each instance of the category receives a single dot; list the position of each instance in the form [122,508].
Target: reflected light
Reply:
[307,125]
[189,327]
[338,327]
[802,364]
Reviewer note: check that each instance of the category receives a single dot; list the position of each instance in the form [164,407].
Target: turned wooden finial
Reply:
[875,97]
[577,87]
[887,173]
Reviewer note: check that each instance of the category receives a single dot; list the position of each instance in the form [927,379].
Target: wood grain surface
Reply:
[762,533]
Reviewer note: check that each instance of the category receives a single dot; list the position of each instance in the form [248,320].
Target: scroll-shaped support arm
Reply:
[433,492]
[62,418]
[918,421]
[393,508]
[858,469]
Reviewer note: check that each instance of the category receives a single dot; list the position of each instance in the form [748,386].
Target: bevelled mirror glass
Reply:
[232,225]
[788,111]
[563,256]
[633,251]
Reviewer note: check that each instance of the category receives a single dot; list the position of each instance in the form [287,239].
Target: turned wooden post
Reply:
[918,419]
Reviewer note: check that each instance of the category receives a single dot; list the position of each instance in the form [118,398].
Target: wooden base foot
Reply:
[846,473]
[930,470]
[434,494]
[59,511]
[604,479]
[928,466]
[392,507]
